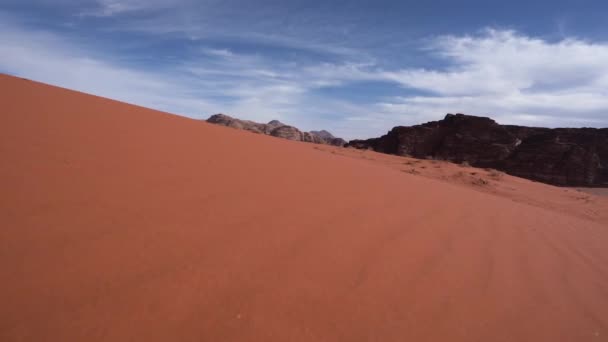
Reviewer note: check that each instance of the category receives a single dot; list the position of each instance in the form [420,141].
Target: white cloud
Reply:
[502,74]
[218,52]
[242,85]
[504,62]
[108,8]
[45,57]
[511,77]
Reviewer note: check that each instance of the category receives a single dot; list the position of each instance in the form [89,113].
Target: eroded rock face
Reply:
[225,120]
[325,135]
[278,129]
[287,132]
[562,156]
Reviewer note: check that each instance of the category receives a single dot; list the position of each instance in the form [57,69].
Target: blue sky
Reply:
[356,68]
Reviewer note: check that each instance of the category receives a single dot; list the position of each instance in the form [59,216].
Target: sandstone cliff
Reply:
[278,129]
[561,156]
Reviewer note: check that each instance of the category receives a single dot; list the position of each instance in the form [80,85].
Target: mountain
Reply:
[560,156]
[278,129]
[323,134]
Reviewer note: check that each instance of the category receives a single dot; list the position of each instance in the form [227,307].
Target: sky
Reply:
[355,68]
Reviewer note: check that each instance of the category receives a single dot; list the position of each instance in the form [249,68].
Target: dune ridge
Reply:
[121,223]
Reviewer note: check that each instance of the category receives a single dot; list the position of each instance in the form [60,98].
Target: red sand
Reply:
[595,191]
[121,223]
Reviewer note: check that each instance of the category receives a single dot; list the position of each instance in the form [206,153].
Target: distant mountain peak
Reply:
[276,123]
[277,129]
[323,134]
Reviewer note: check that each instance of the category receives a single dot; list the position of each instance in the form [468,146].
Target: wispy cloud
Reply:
[217,80]
[108,8]
[504,74]
[513,77]
[218,52]
[48,58]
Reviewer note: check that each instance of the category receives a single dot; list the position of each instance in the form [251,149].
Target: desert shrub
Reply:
[479,181]
[495,174]
[411,171]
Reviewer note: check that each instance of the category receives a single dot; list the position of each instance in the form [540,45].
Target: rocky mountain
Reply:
[560,156]
[277,129]
[325,135]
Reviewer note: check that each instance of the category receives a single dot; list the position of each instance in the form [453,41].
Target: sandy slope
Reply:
[595,191]
[126,224]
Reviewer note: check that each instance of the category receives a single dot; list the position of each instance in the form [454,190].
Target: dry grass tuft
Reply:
[495,174]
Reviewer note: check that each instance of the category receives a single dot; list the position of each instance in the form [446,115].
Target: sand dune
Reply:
[595,191]
[121,223]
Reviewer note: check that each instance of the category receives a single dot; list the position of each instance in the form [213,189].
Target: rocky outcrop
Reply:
[325,135]
[560,156]
[225,120]
[277,129]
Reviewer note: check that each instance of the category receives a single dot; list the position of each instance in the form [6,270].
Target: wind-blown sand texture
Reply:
[120,223]
[595,191]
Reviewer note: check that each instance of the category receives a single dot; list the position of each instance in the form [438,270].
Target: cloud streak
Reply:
[515,78]
[48,58]
[109,8]
[215,80]
[507,75]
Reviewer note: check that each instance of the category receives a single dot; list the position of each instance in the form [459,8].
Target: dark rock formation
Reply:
[277,129]
[560,156]
[225,120]
[287,132]
[325,135]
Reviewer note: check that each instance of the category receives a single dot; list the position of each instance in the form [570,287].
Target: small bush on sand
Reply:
[479,181]
[495,174]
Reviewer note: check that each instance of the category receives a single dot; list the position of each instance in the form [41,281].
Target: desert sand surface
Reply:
[595,191]
[120,223]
